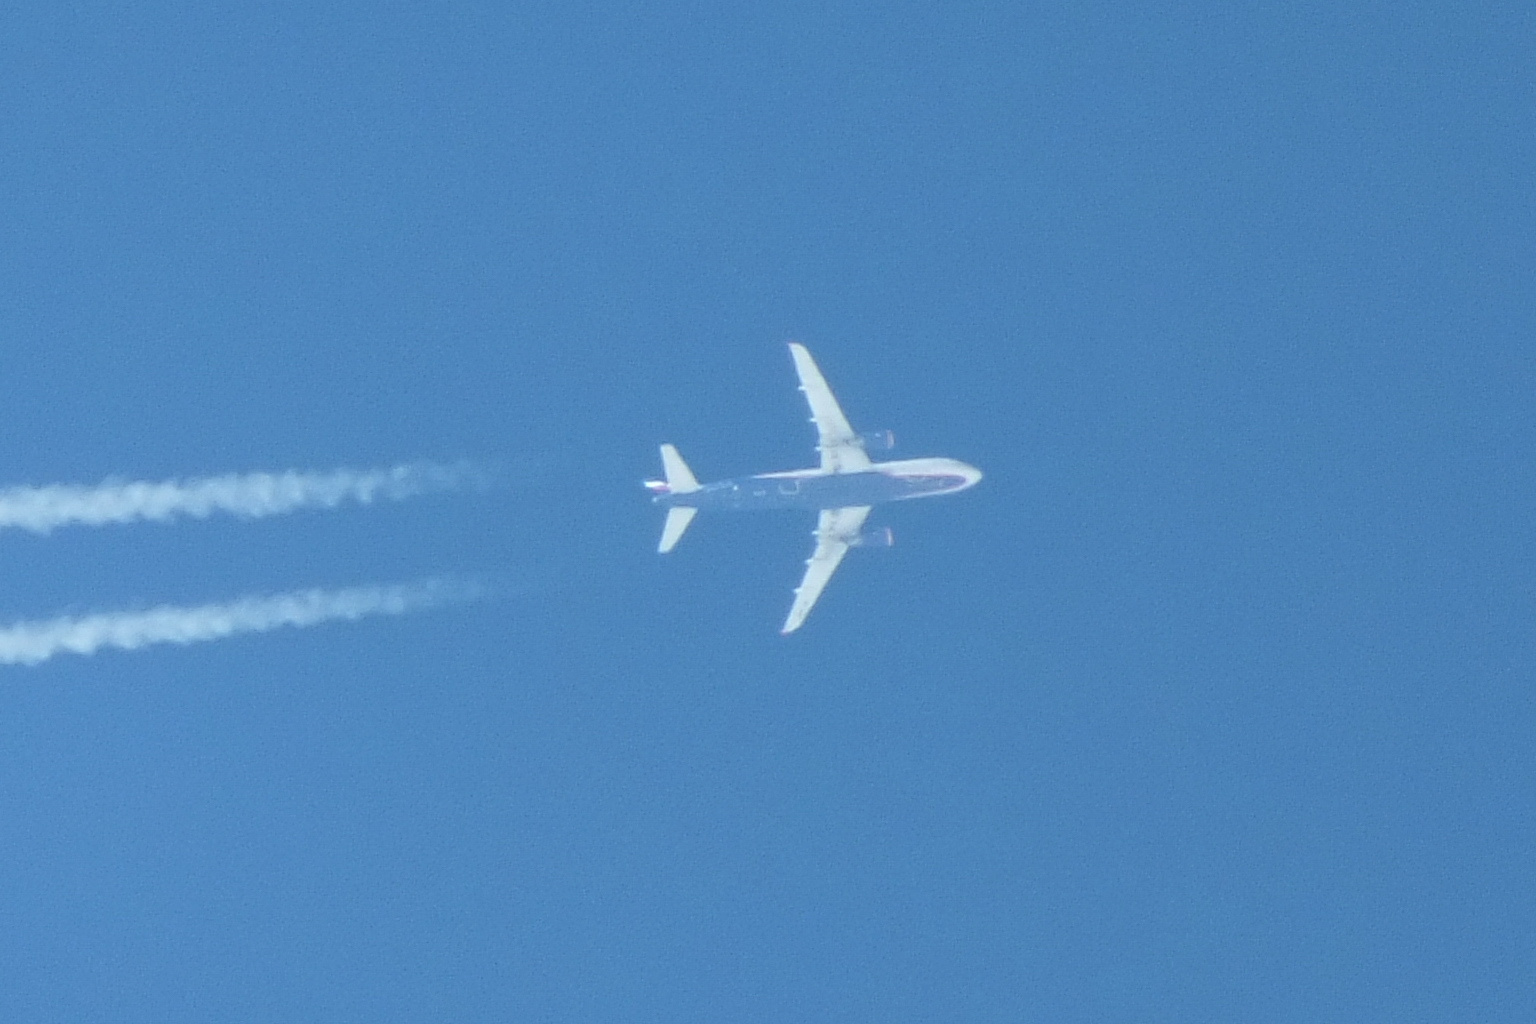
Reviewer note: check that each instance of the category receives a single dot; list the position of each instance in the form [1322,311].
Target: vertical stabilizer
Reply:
[678,518]
[680,479]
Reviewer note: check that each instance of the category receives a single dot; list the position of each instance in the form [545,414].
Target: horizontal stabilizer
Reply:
[680,479]
[678,518]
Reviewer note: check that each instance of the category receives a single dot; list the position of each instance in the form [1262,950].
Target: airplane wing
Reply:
[839,445]
[836,529]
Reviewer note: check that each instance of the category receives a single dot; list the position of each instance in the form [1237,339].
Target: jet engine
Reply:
[877,441]
[878,537]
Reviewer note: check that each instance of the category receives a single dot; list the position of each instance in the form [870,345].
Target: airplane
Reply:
[842,490]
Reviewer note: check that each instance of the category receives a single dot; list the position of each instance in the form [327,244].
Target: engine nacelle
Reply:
[878,537]
[877,440]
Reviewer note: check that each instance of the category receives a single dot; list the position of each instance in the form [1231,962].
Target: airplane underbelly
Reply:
[849,490]
[843,490]
[835,490]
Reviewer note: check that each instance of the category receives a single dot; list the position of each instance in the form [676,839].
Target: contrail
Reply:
[31,643]
[248,495]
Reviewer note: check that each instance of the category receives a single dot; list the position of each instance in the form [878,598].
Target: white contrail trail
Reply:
[30,643]
[248,495]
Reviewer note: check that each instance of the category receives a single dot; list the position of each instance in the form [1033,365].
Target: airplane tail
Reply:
[678,518]
[680,479]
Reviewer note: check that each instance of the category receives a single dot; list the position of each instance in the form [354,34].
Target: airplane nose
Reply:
[971,473]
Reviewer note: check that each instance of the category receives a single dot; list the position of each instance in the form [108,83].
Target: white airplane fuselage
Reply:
[842,491]
[816,489]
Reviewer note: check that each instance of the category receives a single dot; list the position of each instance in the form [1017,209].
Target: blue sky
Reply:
[1213,702]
